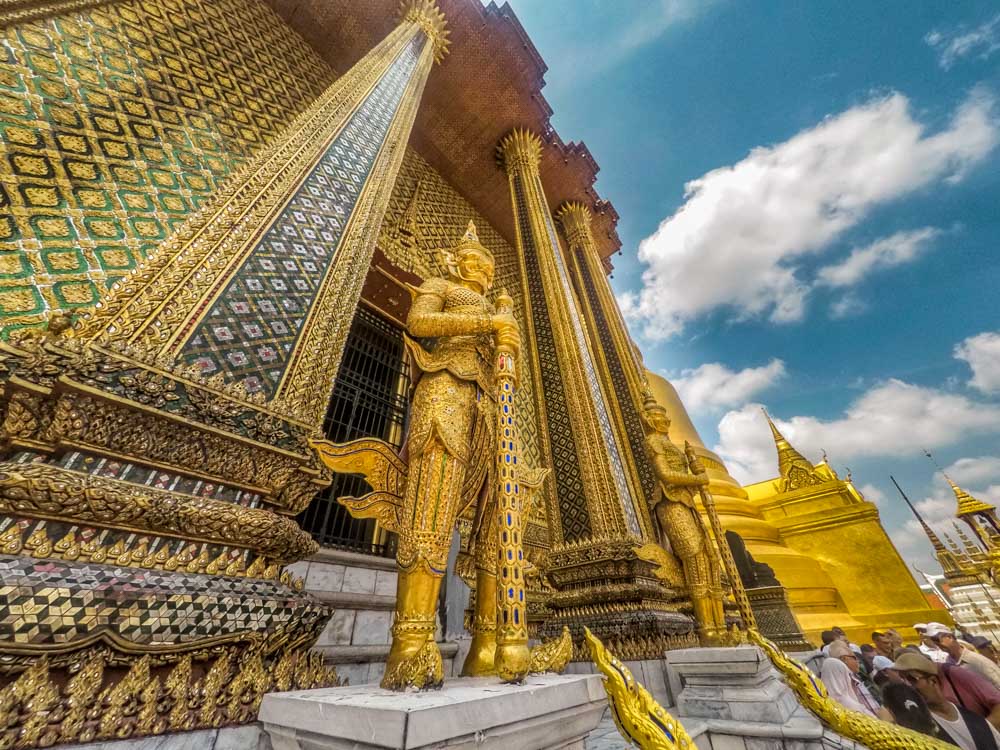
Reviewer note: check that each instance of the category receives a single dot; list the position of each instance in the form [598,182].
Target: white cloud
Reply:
[713,386]
[982,353]
[847,306]
[957,43]
[873,494]
[891,419]
[894,250]
[974,471]
[738,239]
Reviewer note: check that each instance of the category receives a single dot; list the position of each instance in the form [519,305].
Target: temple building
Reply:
[823,542]
[968,581]
[275,279]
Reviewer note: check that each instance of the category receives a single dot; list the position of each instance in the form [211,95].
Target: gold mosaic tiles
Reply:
[117,122]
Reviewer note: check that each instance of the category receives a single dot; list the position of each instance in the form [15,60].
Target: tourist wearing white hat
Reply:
[927,646]
[962,655]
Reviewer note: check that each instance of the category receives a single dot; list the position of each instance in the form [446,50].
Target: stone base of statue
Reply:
[546,712]
[738,684]
[736,699]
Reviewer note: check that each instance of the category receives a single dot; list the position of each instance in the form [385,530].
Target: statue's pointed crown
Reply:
[470,241]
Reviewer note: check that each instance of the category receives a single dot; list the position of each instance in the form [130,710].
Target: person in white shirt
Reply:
[963,727]
[964,655]
[839,674]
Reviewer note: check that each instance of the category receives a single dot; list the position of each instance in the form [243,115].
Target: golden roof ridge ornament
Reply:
[794,469]
[427,15]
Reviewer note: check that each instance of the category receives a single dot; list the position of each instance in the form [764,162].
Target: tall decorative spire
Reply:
[947,558]
[979,516]
[933,537]
[794,469]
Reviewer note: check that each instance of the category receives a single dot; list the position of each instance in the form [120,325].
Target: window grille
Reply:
[370,399]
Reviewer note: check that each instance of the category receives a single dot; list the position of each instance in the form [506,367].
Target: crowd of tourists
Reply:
[946,686]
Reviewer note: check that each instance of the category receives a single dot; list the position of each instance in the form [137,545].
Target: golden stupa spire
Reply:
[967,504]
[934,539]
[794,468]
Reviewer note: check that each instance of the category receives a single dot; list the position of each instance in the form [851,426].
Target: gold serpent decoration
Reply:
[811,692]
[645,723]
[640,719]
[553,655]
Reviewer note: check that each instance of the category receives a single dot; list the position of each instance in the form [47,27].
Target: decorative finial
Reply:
[795,470]
[575,219]
[967,504]
[427,15]
[520,149]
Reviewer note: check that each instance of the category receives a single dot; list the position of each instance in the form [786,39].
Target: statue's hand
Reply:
[509,339]
[507,331]
[702,478]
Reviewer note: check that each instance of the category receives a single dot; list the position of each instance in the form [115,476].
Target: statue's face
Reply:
[659,421]
[476,268]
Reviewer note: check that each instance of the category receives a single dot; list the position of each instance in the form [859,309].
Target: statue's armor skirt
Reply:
[446,417]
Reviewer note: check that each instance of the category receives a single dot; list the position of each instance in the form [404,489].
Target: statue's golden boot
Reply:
[479,662]
[414,658]
[711,632]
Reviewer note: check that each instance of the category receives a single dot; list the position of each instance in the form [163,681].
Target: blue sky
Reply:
[810,203]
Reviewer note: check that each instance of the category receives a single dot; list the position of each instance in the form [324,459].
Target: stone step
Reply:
[372,653]
[348,600]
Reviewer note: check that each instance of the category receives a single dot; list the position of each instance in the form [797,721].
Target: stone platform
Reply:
[546,712]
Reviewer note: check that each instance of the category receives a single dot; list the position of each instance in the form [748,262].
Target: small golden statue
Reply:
[676,511]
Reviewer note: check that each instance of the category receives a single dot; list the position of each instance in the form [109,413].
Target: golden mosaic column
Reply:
[614,352]
[601,519]
[602,503]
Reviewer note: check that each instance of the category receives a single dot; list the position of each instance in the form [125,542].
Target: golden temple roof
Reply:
[967,504]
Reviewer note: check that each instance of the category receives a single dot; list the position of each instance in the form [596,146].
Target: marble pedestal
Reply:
[547,712]
[737,684]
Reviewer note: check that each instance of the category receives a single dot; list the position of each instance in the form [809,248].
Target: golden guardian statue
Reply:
[460,453]
[676,511]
